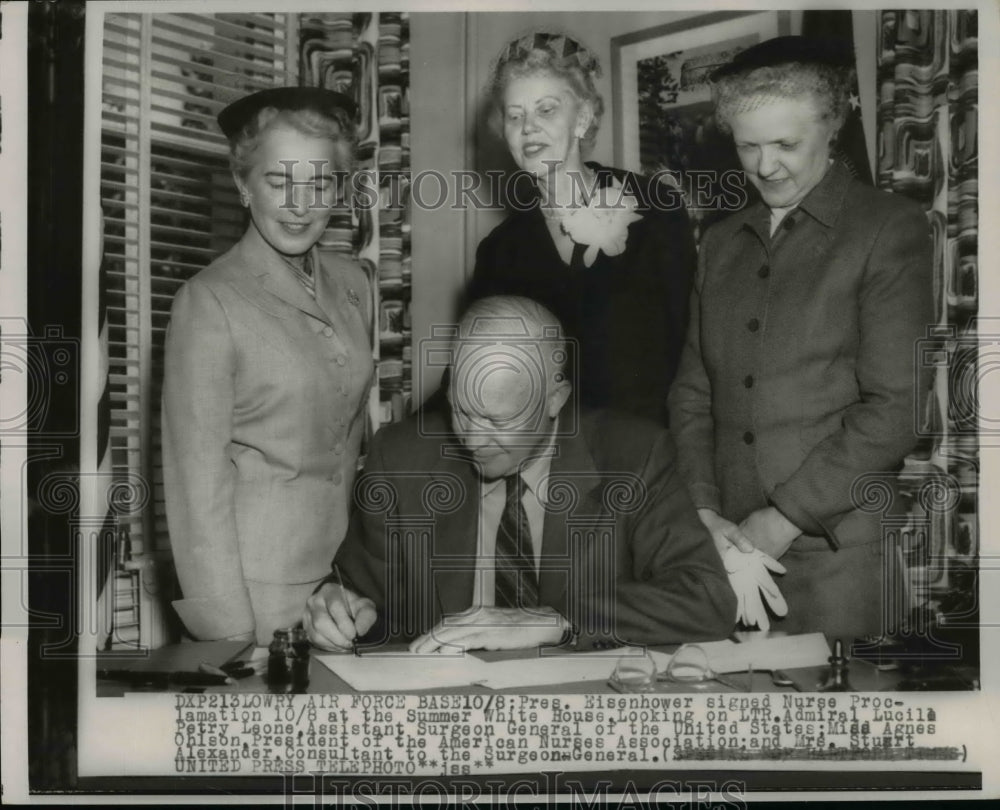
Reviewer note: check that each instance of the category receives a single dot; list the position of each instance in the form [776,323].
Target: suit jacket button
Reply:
[341,360]
[748,381]
[764,271]
[753,324]
[748,437]
[328,331]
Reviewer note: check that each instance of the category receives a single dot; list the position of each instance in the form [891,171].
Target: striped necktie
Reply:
[516,578]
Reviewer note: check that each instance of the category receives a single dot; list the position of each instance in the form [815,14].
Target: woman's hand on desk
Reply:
[493,628]
[335,616]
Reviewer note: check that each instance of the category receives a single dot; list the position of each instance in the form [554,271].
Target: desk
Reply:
[590,777]
[863,677]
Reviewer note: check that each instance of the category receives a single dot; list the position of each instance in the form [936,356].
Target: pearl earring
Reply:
[245,198]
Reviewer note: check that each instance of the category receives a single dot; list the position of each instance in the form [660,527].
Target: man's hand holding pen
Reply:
[335,617]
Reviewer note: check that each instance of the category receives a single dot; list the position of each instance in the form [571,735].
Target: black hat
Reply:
[233,118]
[782,50]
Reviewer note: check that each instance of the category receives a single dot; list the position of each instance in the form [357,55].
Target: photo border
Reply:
[88,360]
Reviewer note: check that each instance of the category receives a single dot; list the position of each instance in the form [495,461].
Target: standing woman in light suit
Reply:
[268,366]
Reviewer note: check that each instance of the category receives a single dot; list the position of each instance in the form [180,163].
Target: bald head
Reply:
[508,314]
[508,380]
[514,317]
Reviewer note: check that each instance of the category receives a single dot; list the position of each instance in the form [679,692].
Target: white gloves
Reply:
[749,577]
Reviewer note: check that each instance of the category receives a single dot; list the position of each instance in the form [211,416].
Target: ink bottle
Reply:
[288,660]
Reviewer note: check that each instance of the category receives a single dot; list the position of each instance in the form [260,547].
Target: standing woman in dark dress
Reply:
[610,253]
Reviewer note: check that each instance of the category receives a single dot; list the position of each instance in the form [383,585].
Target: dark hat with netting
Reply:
[234,117]
[837,53]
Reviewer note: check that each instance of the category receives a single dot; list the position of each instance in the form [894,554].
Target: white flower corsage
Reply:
[603,223]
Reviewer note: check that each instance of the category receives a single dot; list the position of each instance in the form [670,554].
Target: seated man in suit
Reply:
[521,523]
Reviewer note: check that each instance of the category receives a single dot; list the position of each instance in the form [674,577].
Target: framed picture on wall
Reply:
[662,102]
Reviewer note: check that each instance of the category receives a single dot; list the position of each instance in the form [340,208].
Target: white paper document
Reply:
[403,672]
[400,672]
[781,652]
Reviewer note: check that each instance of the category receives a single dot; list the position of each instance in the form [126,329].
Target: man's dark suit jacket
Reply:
[624,555]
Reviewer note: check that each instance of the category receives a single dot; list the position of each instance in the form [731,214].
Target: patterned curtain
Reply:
[928,150]
[366,56]
[838,26]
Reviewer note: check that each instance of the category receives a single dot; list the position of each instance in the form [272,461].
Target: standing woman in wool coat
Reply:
[798,376]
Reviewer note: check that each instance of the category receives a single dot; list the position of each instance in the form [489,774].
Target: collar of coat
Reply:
[274,275]
[823,203]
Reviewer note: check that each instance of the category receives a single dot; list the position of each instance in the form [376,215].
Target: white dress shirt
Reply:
[778,214]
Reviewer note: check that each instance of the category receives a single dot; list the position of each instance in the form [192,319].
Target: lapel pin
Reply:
[353,297]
